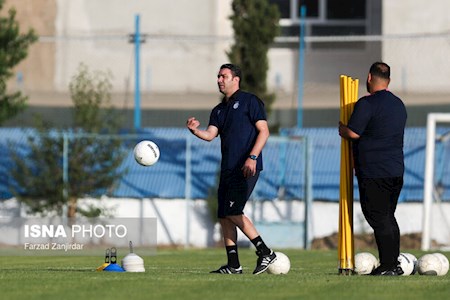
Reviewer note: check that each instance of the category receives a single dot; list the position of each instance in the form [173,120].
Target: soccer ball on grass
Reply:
[412,258]
[407,263]
[429,264]
[146,153]
[281,265]
[365,262]
[444,264]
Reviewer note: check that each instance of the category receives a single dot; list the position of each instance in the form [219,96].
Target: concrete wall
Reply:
[181,53]
[167,63]
[422,64]
[187,42]
[38,69]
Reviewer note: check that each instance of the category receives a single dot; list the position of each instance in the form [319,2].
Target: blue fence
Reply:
[326,163]
[284,165]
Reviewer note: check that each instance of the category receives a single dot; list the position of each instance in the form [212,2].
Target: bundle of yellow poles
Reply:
[349,96]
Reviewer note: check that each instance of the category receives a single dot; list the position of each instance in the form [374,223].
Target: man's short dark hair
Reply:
[381,70]
[235,70]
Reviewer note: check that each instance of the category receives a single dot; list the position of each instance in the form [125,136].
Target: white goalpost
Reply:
[428,189]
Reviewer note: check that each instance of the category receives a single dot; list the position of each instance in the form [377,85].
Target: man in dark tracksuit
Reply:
[240,121]
[376,128]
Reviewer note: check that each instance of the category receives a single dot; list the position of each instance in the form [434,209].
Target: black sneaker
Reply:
[393,271]
[264,261]
[228,270]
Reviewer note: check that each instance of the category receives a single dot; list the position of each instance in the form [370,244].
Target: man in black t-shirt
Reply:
[376,128]
[240,121]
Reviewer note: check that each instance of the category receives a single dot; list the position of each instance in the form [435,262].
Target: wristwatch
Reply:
[251,156]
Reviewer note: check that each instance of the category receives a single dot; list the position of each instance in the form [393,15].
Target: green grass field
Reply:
[183,274]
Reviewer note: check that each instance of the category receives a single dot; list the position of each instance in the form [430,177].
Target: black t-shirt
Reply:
[379,119]
[236,121]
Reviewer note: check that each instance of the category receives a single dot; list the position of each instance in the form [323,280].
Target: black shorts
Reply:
[234,191]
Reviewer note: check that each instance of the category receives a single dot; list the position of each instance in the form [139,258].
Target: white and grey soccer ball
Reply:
[412,258]
[429,264]
[365,262]
[407,263]
[444,264]
[146,153]
[281,265]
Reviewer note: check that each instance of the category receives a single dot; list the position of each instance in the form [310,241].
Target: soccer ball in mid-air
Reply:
[429,264]
[444,264]
[365,262]
[407,263]
[281,265]
[146,153]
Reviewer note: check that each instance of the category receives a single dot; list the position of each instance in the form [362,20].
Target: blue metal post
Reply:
[308,192]
[301,65]
[137,87]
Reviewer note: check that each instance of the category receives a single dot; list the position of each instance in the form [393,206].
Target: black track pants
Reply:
[378,197]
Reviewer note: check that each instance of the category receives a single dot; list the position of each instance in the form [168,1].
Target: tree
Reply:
[255,24]
[13,49]
[94,156]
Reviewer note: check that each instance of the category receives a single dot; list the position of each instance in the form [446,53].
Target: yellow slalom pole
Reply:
[342,192]
[341,237]
[349,96]
[347,192]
